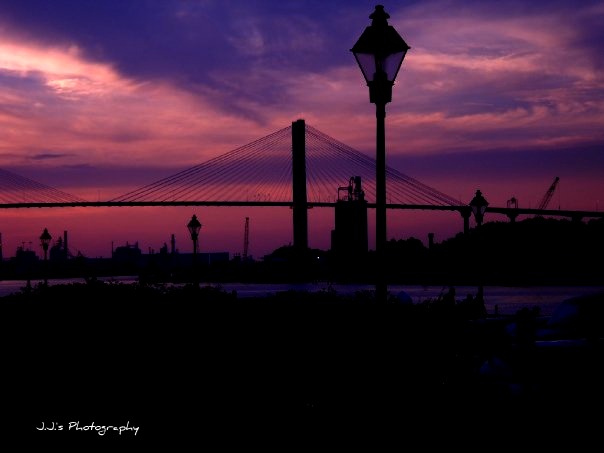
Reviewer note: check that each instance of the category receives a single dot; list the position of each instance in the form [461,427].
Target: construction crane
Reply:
[548,195]
[246,238]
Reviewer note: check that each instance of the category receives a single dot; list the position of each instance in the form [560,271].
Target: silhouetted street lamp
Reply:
[45,239]
[380,52]
[479,207]
[194,226]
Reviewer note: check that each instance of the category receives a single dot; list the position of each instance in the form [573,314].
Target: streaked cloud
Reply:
[46,156]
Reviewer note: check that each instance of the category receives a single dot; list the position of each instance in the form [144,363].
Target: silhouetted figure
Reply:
[472,307]
[481,310]
[449,298]
[445,304]
[466,307]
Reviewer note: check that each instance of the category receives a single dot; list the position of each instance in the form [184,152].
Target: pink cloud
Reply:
[92,113]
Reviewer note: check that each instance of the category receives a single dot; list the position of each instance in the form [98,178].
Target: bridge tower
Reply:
[300,214]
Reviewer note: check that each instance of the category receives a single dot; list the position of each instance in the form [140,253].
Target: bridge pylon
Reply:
[300,205]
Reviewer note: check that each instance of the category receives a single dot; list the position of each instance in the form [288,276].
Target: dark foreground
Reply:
[295,370]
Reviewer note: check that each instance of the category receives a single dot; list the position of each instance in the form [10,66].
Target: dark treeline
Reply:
[534,251]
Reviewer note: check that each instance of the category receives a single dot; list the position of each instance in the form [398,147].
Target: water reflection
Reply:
[504,300]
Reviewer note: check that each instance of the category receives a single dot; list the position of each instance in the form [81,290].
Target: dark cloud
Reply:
[236,54]
[247,51]
[501,164]
[188,42]
[86,176]
[49,156]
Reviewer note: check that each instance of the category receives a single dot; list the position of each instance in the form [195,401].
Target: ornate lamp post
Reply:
[380,52]
[479,207]
[45,239]
[194,226]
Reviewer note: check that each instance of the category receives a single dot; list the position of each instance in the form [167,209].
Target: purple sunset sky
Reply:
[101,97]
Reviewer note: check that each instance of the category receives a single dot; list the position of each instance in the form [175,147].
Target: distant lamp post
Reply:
[479,204]
[479,207]
[380,52]
[194,226]
[45,239]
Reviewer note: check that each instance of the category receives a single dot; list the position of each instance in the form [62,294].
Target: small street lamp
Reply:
[194,226]
[45,239]
[479,207]
[379,52]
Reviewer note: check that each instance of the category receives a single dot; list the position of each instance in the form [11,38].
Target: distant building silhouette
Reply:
[24,261]
[129,253]
[59,251]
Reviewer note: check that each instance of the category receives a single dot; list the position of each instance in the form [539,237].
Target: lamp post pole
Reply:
[194,226]
[379,52]
[479,204]
[381,288]
[45,239]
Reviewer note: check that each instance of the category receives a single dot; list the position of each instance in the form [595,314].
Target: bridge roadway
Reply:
[464,210]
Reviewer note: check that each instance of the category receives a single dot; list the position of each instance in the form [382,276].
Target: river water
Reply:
[503,300]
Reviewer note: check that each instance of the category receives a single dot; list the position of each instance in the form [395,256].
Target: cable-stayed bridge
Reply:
[297,166]
[259,173]
[17,191]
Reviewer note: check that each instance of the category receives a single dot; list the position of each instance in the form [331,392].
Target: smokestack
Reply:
[172,245]
[65,248]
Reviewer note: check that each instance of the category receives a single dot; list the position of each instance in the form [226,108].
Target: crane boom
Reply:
[548,195]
